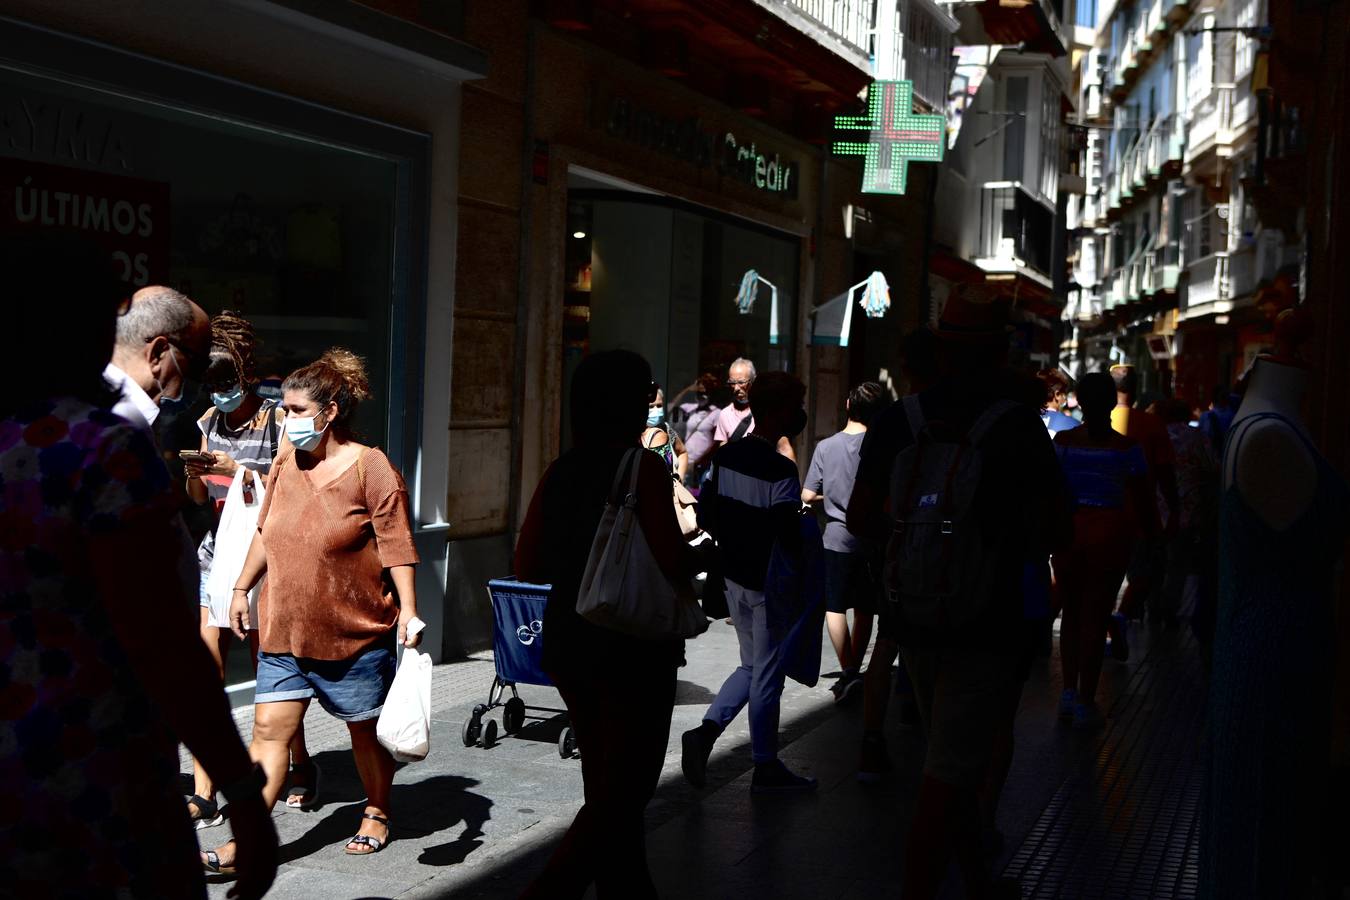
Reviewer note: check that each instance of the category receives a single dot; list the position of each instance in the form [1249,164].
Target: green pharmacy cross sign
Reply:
[896,137]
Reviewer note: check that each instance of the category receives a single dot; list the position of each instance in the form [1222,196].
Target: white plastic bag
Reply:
[234,535]
[404,727]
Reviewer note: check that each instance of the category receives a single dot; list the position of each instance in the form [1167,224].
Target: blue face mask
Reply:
[228,401]
[302,433]
[655,417]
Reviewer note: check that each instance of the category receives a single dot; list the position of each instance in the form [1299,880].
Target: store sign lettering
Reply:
[48,130]
[127,216]
[690,140]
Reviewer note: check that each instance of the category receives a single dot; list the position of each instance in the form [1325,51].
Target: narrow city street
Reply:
[1106,814]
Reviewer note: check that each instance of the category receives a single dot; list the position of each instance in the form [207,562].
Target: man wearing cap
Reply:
[967,680]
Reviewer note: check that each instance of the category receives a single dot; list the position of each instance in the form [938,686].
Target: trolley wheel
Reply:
[480,710]
[513,717]
[469,733]
[489,734]
[567,743]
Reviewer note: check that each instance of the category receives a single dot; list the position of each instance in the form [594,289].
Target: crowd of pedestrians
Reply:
[957,521]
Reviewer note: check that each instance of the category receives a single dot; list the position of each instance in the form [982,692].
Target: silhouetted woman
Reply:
[619,691]
[1107,476]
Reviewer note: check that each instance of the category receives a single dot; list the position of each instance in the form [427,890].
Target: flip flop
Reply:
[374,843]
[212,864]
[208,813]
[306,796]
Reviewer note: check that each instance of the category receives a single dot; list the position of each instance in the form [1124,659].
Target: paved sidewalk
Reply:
[1109,814]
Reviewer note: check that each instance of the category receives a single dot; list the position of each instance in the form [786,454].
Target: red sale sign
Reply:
[127,216]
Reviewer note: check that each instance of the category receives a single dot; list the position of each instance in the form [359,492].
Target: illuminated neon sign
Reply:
[897,136]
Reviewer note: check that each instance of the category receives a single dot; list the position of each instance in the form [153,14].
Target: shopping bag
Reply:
[234,535]
[404,726]
[623,588]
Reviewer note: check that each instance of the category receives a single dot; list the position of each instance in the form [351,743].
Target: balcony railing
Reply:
[1211,122]
[1015,229]
[850,21]
[1207,282]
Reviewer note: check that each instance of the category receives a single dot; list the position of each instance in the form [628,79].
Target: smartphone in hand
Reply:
[197,457]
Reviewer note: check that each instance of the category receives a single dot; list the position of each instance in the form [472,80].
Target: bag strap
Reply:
[272,439]
[987,420]
[630,457]
[742,428]
[914,414]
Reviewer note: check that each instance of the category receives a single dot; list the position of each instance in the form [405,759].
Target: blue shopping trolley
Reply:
[517,645]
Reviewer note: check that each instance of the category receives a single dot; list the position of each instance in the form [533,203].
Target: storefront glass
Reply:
[297,233]
[661,278]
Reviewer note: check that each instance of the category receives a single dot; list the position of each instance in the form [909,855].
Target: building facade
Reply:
[288,160]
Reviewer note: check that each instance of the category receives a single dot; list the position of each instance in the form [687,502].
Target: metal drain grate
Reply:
[1126,826]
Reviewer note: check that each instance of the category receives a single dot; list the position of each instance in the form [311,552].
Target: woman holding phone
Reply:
[333,525]
[240,431]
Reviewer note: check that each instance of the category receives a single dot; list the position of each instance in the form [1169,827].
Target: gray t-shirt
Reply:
[834,465]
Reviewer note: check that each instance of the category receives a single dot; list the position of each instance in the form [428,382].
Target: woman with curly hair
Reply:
[334,522]
[240,431]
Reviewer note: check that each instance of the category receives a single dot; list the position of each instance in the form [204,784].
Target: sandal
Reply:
[212,864]
[208,813]
[374,843]
[304,797]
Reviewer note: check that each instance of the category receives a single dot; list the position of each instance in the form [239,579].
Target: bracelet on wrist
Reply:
[240,590]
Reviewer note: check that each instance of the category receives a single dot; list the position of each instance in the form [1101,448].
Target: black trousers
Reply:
[622,726]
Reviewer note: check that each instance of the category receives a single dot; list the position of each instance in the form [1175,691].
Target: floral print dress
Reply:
[88,802]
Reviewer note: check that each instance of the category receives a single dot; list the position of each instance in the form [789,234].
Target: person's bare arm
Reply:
[809,496]
[785,448]
[255,566]
[656,515]
[681,457]
[405,585]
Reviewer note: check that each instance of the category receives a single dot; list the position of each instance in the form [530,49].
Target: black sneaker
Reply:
[874,763]
[696,745]
[774,778]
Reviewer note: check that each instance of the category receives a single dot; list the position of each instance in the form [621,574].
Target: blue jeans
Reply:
[758,680]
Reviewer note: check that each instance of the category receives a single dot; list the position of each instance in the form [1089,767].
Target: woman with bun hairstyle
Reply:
[241,430]
[333,523]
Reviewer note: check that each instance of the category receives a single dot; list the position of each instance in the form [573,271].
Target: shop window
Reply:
[305,236]
[660,277]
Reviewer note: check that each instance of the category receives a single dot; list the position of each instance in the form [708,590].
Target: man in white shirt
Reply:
[162,340]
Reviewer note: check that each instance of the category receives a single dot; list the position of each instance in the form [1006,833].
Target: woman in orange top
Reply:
[334,520]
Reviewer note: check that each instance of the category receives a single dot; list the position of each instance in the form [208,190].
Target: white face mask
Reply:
[302,433]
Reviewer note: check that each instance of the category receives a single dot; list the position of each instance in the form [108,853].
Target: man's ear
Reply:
[155,349]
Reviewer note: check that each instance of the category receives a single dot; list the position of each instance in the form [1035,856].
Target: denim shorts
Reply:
[349,689]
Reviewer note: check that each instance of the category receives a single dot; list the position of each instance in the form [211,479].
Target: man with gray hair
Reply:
[735,421]
[162,340]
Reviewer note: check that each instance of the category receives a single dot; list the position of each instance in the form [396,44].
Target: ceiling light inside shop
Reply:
[578,234]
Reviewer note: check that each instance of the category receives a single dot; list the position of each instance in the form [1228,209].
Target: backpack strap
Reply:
[914,414]
[272,438]
[742,428]
[988,419]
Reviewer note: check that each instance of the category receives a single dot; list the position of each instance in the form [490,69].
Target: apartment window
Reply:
[1085,15]
[1244,48]
[1050,128]
[1015,135]
[1200,62]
